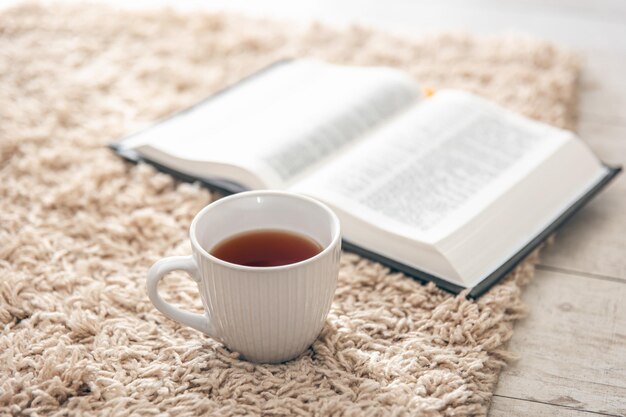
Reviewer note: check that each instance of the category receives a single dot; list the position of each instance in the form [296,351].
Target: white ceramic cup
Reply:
[268,314]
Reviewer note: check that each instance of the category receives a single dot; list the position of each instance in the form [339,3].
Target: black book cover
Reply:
[228,187]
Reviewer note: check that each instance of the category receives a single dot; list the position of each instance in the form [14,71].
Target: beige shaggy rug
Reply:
[79,227]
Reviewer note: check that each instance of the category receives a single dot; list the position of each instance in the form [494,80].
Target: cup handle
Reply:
[159,270]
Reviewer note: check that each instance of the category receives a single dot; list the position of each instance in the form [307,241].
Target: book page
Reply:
[286,122]
[436,166]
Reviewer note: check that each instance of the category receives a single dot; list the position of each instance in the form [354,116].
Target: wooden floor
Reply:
[573,344]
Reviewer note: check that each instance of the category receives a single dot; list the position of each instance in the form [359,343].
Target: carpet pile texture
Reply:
[79,227]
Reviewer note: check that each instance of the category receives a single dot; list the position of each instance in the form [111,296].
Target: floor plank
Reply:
[572,345]
[507,407]
[594,241]
[598,9]
[608,140]
[603,86]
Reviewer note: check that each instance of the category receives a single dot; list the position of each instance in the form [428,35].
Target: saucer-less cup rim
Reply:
[191,263]
[225,200]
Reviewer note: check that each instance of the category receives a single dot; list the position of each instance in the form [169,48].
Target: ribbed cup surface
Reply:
[270,315]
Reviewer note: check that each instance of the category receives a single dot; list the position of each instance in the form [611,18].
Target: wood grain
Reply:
[603,86]
[594,241]
[506,407]
[572,346]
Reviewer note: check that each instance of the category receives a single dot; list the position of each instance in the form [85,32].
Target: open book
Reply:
[451,188]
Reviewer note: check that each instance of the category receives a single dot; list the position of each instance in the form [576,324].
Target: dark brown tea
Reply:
[267,247]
